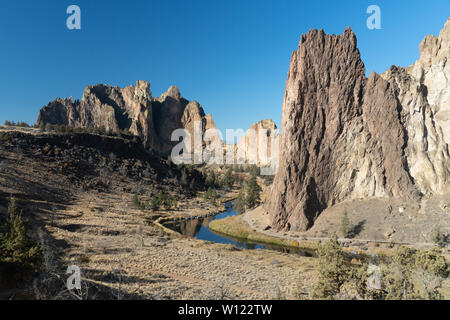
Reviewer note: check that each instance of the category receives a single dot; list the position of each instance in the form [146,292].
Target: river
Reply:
[199,229]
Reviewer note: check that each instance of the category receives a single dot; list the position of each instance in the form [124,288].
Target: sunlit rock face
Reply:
[259,145]
[346,136]
[131,108]
[423,93]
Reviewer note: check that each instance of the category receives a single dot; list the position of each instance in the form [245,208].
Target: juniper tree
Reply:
[16,247]
[154,204]
[240,202]
[253,192]
[333,269]
[228,179]
[210,179]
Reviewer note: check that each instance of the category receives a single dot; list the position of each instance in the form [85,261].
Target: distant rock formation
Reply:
[255,147]
[131,108]
[345,136]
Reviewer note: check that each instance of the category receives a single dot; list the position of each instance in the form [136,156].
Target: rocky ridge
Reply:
[345,136]
[132,109]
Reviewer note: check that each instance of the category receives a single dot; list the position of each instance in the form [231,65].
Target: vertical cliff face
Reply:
[423,93]
[132,108]
[255,147]
[345,136]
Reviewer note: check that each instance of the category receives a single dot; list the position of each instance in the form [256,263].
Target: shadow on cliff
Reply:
[357,229]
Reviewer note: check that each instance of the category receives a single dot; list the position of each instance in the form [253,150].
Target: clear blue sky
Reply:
[230,55]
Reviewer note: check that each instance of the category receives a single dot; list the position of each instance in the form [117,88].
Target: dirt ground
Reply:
[120,252]
[115,247]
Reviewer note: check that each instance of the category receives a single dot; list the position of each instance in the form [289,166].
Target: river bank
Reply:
[237,228]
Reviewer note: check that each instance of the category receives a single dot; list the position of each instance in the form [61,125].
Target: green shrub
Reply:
[210,179]
[333,267]
[184,177]
[414,274]
[407,274]
[16,248]
[240,202]
[23,124]
[228,179]
[439,238]
[155,204]
[210,195]
[253,192]
[136,201]
[4,138]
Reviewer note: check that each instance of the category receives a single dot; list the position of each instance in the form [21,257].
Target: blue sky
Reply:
[230,55]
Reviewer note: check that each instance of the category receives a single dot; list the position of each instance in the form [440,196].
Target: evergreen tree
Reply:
[136,201]
[253,192]
[439,238]
[192,185]
[333,268]
[228,179]
[15,245]
[210,179]
[154,204]
[240,202]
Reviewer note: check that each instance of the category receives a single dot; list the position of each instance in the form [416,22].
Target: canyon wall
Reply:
[133,109]
[346,136]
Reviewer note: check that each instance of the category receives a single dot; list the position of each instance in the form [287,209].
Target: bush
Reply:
[136,201]
[4,138]
[155,204]
[334,269]
[210,179]
[192,185]
[253,192]
[254,170]
[210,195]
[23,124]
[16,248]
[414,274]
[439,238]
[228,179]
[240,203]
[408,274]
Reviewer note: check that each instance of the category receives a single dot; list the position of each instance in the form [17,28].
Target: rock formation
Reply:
[345,136]
[131,108]
[255,147]
[423,93]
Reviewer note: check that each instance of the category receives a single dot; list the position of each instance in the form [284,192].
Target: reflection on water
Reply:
[199,228]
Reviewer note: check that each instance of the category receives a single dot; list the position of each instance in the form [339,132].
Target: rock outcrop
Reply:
[423,93]
[132,109]
[255,147]
[345,136]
